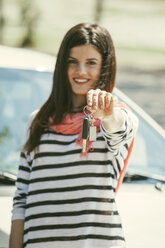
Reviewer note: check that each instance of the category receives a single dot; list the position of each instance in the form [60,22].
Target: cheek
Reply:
[96,74]
[69,73]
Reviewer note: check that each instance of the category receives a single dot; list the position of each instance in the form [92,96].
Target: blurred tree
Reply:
[2,20]
[29,15]
[98,10]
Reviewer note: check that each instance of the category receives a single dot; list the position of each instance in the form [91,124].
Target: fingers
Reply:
[99,99]
[108,100]
[92,98]
[102,99]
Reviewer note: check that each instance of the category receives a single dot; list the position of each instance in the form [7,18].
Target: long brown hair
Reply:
[59,101]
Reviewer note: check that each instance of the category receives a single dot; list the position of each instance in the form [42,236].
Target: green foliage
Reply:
[135,25]
[29,15]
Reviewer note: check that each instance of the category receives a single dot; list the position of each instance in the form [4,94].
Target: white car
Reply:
[25,83]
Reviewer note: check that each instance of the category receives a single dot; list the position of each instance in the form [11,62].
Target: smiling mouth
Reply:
[80,80]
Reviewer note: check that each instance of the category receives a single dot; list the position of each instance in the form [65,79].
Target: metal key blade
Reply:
[85,131]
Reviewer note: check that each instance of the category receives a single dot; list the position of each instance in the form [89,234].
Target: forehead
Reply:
[85,51]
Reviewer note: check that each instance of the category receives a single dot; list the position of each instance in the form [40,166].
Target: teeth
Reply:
[81,80]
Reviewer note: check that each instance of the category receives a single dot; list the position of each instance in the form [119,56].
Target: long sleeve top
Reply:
[67,201]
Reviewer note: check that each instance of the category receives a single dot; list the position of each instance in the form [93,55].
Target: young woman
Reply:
[65,197]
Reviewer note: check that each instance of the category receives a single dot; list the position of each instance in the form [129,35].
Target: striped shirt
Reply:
[67,201]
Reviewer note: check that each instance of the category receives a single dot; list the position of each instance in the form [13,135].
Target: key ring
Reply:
[84,110]
[89,115]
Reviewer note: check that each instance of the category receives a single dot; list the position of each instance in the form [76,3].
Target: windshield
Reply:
[148,155]
[21,92]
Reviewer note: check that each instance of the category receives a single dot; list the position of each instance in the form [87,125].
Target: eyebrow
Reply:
[92,59]
[70,57]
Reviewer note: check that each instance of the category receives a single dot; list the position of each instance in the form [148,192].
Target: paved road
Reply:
[146,88]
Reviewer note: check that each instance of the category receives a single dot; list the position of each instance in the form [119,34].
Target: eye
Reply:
[91,62]
[72,61]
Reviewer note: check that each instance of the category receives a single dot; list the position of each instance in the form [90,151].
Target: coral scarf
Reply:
[72,124]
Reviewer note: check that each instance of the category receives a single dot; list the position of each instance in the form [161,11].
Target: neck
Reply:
[78,102]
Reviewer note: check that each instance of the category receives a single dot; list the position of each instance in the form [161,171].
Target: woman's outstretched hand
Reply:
[101,103]
[102,106]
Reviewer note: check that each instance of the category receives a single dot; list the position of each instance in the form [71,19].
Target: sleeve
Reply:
[23,177]
[22,184]
[118,142]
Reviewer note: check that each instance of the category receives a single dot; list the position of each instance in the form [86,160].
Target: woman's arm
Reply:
[19,203]
[119,137]
[19,199]
[16,234]
[114,122]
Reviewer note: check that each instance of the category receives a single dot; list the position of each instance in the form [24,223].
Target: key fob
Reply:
[92,133]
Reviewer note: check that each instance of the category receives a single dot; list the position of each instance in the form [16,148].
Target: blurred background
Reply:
[136,26]
[138,31]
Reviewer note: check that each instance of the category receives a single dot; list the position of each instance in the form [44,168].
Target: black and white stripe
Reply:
[67,201]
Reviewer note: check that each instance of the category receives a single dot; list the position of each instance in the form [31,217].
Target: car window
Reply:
[148,154]
[21,92]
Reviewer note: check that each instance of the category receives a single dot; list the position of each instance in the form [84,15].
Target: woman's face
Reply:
[84,68]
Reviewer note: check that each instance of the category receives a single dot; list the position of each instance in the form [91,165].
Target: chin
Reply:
[80,93]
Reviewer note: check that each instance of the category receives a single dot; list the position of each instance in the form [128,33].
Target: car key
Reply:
[92,133]
[92,129]
[85,132]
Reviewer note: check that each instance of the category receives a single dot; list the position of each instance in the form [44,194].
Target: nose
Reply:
[81,69]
